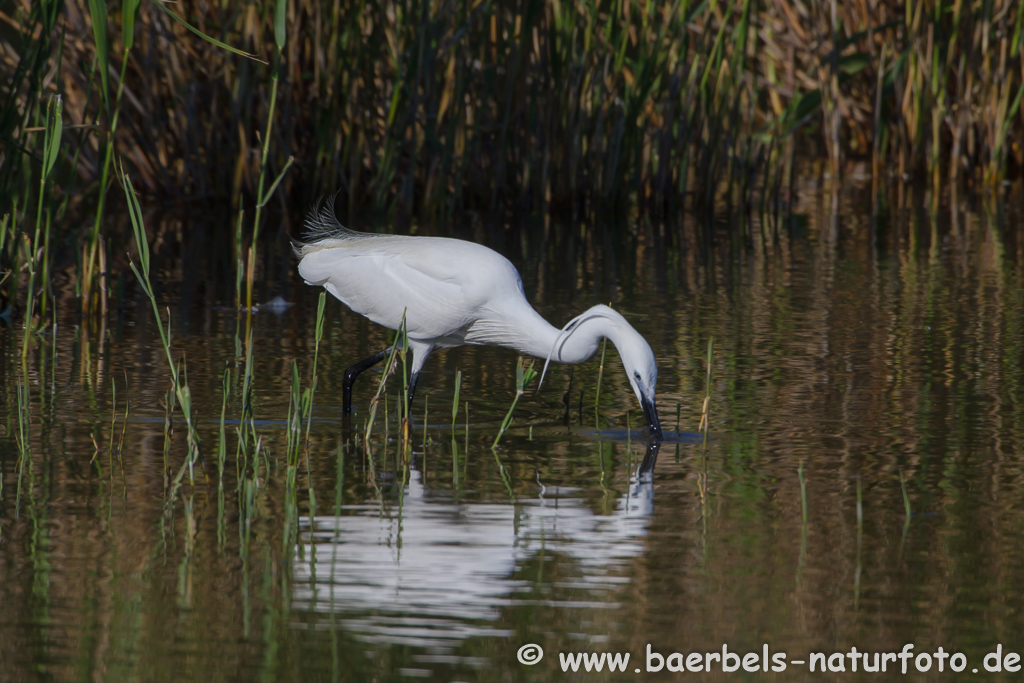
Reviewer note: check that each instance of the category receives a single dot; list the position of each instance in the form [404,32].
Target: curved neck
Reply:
[534,336]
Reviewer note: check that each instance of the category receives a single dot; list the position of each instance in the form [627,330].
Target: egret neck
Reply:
[530,334]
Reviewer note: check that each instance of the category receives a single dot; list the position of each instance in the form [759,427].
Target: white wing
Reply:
[440,284]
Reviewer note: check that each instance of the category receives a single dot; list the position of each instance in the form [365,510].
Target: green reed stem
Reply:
[124,431]
[261,199]
[860,513]
[455,399]
[525,374]
[168,433]
[504,474]
[314,377]
[455,463]
[113,424]
[222,442]
[180,384]
[294,419]
[803,492]
[705,417]
[239,265]
[426,416]
[247,381]
[600,373]
[23,421]
[803,526]
[906,498]
[5,230]
[403,401]
[51,148]
[906,509]
[129,14]
[389,367]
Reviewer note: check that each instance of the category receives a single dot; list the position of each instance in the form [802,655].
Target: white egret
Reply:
[454,293]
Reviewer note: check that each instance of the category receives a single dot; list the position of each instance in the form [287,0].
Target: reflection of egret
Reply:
[450,293]
[442,571]
[646,470]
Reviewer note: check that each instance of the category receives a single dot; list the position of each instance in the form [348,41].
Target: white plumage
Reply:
[453,293]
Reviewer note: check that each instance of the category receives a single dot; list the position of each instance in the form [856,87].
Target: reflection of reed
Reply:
[895,349]
[441,570]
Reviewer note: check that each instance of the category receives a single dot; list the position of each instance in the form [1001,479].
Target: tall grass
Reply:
[398,348]
[300,415]
[179,382]
[51,147]
[402,101]
[525,374]
[430,108]
[300,403]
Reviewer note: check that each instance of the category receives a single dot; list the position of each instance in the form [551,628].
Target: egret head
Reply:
[637,357]
[642,370]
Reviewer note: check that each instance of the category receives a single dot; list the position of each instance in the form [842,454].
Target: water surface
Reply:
[851,353]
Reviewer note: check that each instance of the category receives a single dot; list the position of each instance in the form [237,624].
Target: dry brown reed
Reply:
[428,108]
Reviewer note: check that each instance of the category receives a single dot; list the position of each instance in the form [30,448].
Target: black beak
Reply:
[650,460]
[651,413]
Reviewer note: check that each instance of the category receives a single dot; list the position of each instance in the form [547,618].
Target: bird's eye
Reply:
[637,375]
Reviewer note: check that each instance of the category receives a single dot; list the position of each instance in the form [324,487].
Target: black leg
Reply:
[350,376]
[412,387]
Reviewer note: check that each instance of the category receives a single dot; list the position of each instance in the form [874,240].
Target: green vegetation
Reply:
[180,391]
[431,108]
[525,374]
[455,400]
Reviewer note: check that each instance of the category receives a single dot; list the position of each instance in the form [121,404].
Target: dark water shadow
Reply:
[640,436]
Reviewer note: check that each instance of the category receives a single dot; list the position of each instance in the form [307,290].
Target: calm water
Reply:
[848,351]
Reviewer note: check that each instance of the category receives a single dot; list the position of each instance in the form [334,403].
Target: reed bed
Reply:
[431,108]
[440,105]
